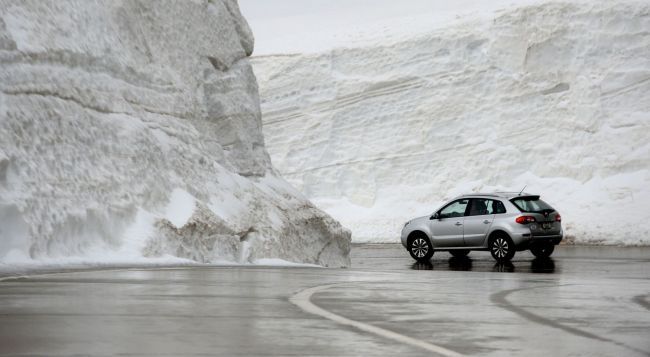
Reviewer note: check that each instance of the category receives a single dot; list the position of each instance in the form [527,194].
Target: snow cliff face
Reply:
[131,131]
[553,96]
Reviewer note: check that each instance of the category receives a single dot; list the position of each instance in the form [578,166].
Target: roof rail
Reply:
[504,194]
[479,194]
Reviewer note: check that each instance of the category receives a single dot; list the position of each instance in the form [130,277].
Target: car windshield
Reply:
[531,204]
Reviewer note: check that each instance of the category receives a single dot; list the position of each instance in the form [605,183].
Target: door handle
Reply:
[459,224]
[486,221]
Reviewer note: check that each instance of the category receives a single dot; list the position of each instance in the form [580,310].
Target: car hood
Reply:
[419,219]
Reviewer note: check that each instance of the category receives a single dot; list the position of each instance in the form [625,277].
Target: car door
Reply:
[447,226]
[478,220]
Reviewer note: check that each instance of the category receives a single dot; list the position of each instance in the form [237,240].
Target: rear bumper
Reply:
[554,239]
[540,239]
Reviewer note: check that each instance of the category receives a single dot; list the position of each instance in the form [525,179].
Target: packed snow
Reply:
[299,26]
[548,95]
[131,134]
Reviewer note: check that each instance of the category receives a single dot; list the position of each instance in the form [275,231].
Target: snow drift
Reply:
[553,96]
[131,131]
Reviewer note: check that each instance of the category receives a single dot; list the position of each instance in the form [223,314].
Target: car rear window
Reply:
[531,204]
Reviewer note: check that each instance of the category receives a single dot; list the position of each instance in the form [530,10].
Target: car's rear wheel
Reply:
[542,250]
[502,248]
[420,248]
[459,253]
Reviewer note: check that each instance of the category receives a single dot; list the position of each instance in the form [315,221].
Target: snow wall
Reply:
[552,96]
[130,132]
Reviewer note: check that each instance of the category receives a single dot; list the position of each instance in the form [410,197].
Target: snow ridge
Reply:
[552,96]
[131,131]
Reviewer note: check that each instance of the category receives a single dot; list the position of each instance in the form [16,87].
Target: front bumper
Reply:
[404,237]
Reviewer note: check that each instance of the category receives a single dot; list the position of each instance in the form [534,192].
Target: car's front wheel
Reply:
[502,248]
[542,250]
[421,249]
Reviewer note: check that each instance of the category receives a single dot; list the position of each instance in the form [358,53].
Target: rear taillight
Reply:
[558,218]
[525,219]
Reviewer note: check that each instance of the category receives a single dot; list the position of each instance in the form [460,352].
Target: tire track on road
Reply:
[641,300]
[500,299]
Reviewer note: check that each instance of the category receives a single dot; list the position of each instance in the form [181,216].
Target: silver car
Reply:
[502,222]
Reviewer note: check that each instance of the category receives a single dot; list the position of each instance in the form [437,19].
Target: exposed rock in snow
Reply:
[553,96]
[133,129]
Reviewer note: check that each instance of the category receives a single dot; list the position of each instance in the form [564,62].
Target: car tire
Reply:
[502,248]
[459,253]
[420,248]
[542,250]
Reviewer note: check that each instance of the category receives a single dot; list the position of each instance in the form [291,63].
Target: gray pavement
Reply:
[586,301]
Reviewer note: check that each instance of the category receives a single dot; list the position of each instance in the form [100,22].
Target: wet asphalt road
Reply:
[586,301]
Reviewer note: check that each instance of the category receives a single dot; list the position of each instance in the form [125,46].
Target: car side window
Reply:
[481,207]
[499,207]
[454,209]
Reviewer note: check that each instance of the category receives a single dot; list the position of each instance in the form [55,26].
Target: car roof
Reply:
[506,195]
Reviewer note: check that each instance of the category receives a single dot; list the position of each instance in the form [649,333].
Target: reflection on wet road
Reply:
[536,265]
[584,301]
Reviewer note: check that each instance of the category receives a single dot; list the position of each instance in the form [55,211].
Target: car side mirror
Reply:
[434,216]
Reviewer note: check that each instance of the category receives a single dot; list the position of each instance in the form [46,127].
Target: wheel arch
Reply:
[495,233]
[414,234]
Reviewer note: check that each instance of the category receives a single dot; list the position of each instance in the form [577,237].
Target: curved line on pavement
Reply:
[303,300]
[500,300]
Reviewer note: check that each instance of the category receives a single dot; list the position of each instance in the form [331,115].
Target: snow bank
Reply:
[130,133]
[551,95]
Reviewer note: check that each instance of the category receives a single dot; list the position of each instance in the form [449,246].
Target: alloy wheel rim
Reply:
[420,247]
[500,247]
